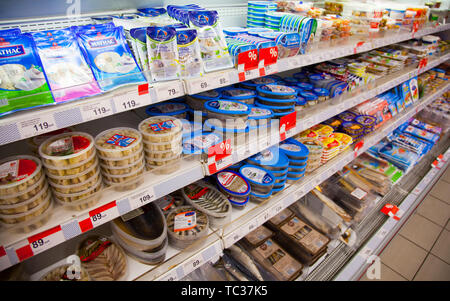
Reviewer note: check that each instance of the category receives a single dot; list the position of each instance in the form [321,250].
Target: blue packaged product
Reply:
[174,109]
[163,53]
[238,202]
[259,197]
[298,163]
[261,180]
[276,91]
[296,170]
[278,189]
[23,83]
[275,109]
[305,86]
[288,43]
[254,83]
[153,11]
[200,143]
[51,35]
[406,93]
[243,95]
[279,174]
[190,128]
[271,158]
[209,126]
[90,27]
[294,150]
[227,111]
[232,31]
[309,97]
[425,126]
[410,142]
[256,31]
[399,156]
[10,32]
[233,184]
[110,58]
[422,134]
[102,19]
[294,179]
[189,55]
[290,81]
[139,36]
[68,74]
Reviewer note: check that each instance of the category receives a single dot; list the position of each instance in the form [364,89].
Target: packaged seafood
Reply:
[80,201]
[72,169]
[189,54]
[271,158]
[66,272]
[34,142]
[122,161]
[260,116]
[186,225]
[200,143]
[118,142]
[246,96]
[66,149]
[260,197]
[322,130]
[276,91]
[322,94]
[209,200]
[169,165]
[169,202]
[254,83]
[143,229]
[310,98]
[245,262]
[78,187]
[197,101]
[294,150]
[239,203]
[30,192]
[18,174]
[153,257]
[275,222]
[73,197]
[233,184]
[160,129]
[257,237]
[122,170]
[174,109]
[74,179]
[276,104]
[24,217]
[260,179]
[102,259]
[227,113]
[26,205]
[296,171]
[305,86]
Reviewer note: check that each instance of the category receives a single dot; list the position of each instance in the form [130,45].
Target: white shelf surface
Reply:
[29,123]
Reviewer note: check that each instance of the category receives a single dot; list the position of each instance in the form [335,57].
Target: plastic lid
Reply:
[316,77]
[263,196]
[209,95]
[292,147]
[167,109]
[232,31]
[160,125]
[257,175]
[278,100]
[291,108]
[237,93]
[291,80]
[270,157]
[298,163]
[231,107]
[118,139]
[260,81]
[308,96]
[200,142]
[300,101]
[347,116]
[237,201]
[321,92]
[305,86]
[66,146]
[275,89]
[233,183]
[283,113]
[14,170]
[366,120]
[257,113]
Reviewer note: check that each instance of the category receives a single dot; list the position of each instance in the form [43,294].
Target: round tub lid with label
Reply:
[276,90]
[207,198]
[257,175]
[228,107]
[200,142]
[37,140]
[366,120]
[322,130]
[118,139]
[209,95]
[13,170]
[308,96]
[167,109]
[293,148]
[160,125]
[232,31]
[65,145]
[233,183]
[237,93]
[321,91]
[271,157]
[257,113]
[305,86]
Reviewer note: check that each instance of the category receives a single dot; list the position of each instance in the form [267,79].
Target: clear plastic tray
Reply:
[24,184]
[76,188]
[151,258]
[124,161]
[111,150]
[71,169]
[25,195]
[164,168]
[121,170]
[125,177]
[163,155]
[74,179]
[28,205]
[164,146]
[21,218]
[84,153]
[170,132]
[73,197]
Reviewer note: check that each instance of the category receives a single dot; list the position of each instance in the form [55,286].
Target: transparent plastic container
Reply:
[163,155]
[73,169]
[123,170]
[124,177]
[18,174]
[118,142]
[122,162]
[28,215]
[79,187]
[74,179]
[170,166]
[82,203]
[28,205]
[163,146]
[23,196]
[72,197]
[56,274]
[152,258]
[67,149]
[160,129]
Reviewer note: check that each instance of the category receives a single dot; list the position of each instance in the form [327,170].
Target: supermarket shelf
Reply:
[29,123]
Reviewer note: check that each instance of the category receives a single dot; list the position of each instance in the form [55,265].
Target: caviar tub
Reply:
[294,150]
[246,96]
[118,143]
[18,174]
[228,114]
[261,180]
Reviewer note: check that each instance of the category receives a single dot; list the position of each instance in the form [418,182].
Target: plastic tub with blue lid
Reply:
[281,114]
[197,101]
[246,96]
[174,109]
[298,163]
[291,81]
[276,103]
[322,94]
[232,183]
[310,97]
[259,17]
[294,150]
[200,142]
[281,178]
[296,169]
[231,114]
[279,173]
[276,109]
[239,203]
[272,159]
[295,175]
[259,197]
[233,31]
[254,83]
[278,189]
[300,104]
[198,114]
[305,86]
[261,180]
[276,91]
[239,135]
[259,117]
[293,180]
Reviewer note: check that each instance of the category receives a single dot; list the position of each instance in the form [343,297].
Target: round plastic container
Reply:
[233,184]
[66,149]
[25,195]
[278,189]
[322,94]
[118,142]
[73,169]
[160,129]
[322,130]
[246,96]
[123,170]
[353,129]
[74,179]
[276,103]
[297,163]
[277,110]
[233,31]
[180,239]
[82,203]
[240,135]
[35,142]
[200,142]
[124,177]
[279,173]
[79,187]
[347,116]
[175,144]
[197,101]
[238,202]
[281,178]
[72,197]
[254,83]
[170,165]
[259,197]
[122,162]
[305,86]
[28,215]
[276,91]
[153,258]
[231,114]
[26,206]
[166,154]
[293,180]
[173,109]
[261,116]
[18,174]
[261,180]
[271,159]
[310,98]
[294,150]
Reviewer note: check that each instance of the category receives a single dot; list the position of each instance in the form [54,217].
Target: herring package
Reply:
[189,55]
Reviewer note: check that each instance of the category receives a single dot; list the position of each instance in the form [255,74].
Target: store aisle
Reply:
[421,249]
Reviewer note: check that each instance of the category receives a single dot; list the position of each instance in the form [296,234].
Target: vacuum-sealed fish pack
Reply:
[68,74]
[23,84]
[139,42]
[110,58]
[212,41]
[162,53]
[190,59]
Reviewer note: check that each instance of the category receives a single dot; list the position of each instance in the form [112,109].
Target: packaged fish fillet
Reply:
[23,84]
[68,74]
[110,58]
[425,126]
[189,55]
[139,36]
[162,53]
[213,46]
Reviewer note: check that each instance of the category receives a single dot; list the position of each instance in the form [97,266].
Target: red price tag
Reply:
[441,158]
[143,89]
[358,146]
[391,211]
[247,60]
[4,259]
[287,123]
[359,44]
[46,240]
[219,156]
[422,64]
[435,164]
[267,56]
[99,216]
[415,28]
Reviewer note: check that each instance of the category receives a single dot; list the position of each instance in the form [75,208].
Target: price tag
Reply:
[249,74]
[277,209]
[99,216]
[252,225]
[358,47]
[193,264]
[382,233]
[142,198]
[268,55]
[233,238]
[287,123]
[96,110]
[46,240]
[365,252]
[391,211]
[169,90]
[37,126]
[4,259]
[222,79]
[300,193]
[130,101]
[270,69]
[171,276]
[358,146]
[219,156]
[263,218]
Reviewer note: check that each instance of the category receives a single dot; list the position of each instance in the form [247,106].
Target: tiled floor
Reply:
[421,249]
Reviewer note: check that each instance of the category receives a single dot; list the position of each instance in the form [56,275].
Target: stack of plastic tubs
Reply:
[261,182]
[162,137]
[121,157]
[72,169]
[315,148]
[272,20]
[278,98]
[25,198]
[256,12]
[298,157]
[235,187]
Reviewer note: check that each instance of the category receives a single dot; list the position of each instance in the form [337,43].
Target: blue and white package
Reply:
[51,35]
[153,11]
[92,27]
[261,180]
[422,134]
[410,142]
[294,149]
[68,74]
[189,55]
[213,46]
[240,94]
[162,53]
[399,156]
[288,43]
[233,31]
[10,32]
[139,37]
[271,158]
[200,142]
[110,58]
[425,126]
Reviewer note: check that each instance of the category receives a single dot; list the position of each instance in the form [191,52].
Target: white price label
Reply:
[252,225]
[233,238]
[140,199]
[104,217]
[382,233]
[223,80]
[277,209]
[300,193]
[263,218]
[365,252]
[251,74]
[271,69]
[193,264]
[96,110]
[171,276]
[130,101]
[37,126]
[295,61]
[169,90]
[46,240]
[307,59]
